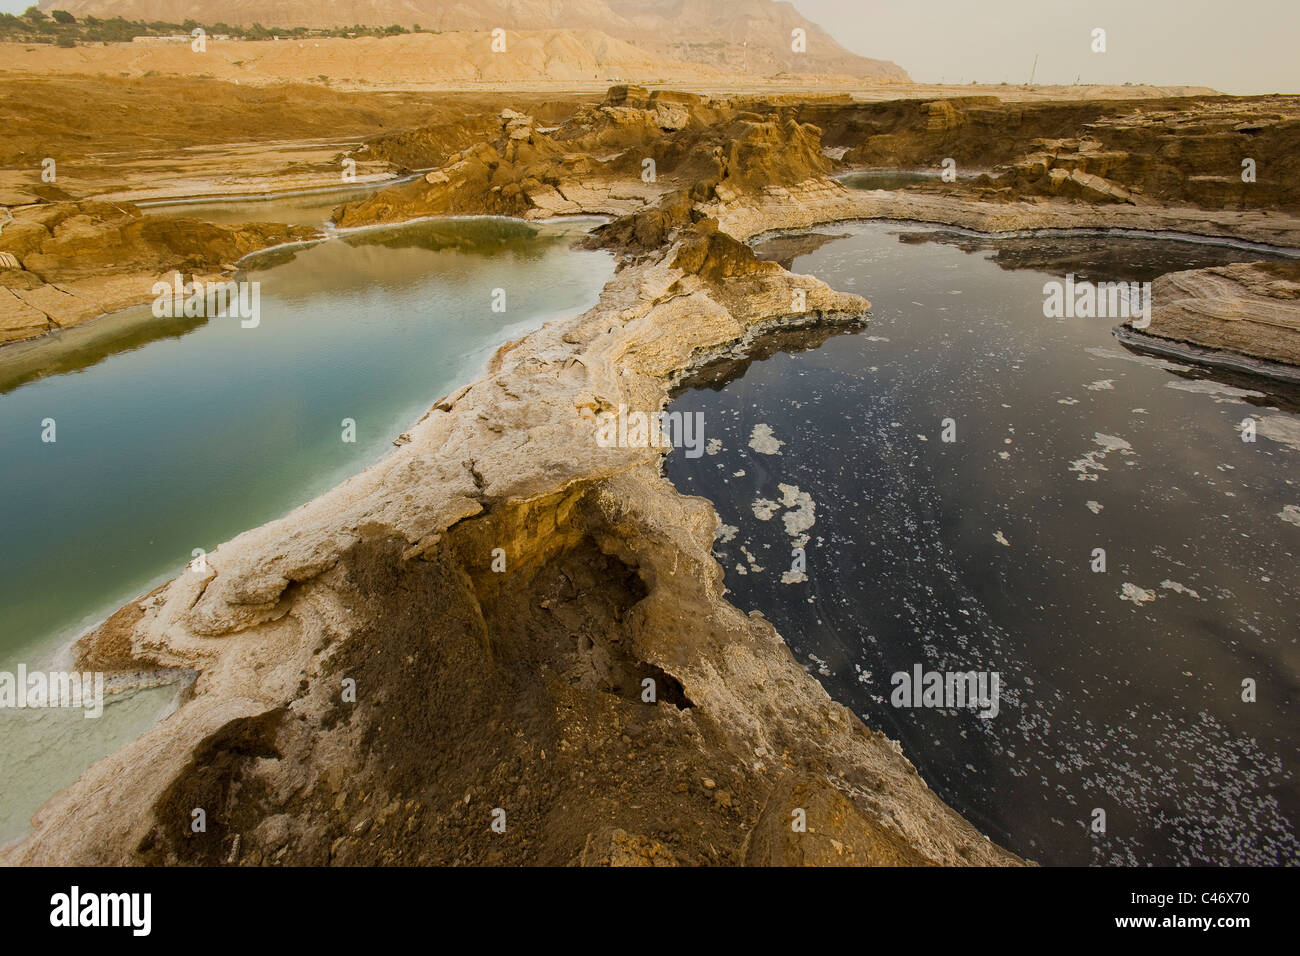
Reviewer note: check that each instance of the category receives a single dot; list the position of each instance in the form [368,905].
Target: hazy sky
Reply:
[1237,46]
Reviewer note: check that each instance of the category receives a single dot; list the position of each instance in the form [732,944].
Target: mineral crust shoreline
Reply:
[520,689]
[469,625]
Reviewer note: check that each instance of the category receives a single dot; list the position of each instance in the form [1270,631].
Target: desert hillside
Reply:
[576,57]
[741,36]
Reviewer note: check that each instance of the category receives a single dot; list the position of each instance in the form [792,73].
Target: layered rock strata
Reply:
[65,262]
[1244,316]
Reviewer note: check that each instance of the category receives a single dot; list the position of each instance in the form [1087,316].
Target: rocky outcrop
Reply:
[633,152]
[522,170]
[501,593]
[1182,151]
[819,201]
[1247,309]
[68,262]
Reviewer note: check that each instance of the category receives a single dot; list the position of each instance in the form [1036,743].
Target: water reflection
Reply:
[1121,689]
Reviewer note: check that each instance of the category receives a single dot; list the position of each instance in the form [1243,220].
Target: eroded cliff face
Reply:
[62,263]
[636,151]
[499,590]
[523,691]
[1186,150]
[469,625]
[1249,309]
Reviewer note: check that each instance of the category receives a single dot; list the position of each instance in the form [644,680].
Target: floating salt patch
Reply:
[713,446]
[1282,429]
[1067,401]
[1106,384]
[802,515]
[1290,513]
[1092,461]
[1221,393]
[1139,596]
[1095,507]
[1179,588]
[764,508]
[1147,360]
[1001,539]
[822,668]
[763,441]
[725,533]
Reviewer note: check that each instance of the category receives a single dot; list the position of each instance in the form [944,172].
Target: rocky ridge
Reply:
[617,157]
[1187,150]
[62,263]
[526,684]
[1245,309]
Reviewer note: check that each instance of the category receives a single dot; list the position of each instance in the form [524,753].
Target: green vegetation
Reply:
[63,29]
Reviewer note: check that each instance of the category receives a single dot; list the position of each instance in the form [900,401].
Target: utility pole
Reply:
[1033,72]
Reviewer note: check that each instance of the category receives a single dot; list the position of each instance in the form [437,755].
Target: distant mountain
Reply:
[738,36]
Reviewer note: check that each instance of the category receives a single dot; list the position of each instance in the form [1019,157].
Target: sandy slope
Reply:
[393,62]
[747,36]
[535,60]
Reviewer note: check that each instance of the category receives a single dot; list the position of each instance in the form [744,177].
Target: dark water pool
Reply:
[1120,690]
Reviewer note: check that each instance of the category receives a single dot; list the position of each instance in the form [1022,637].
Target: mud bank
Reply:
[1208,357]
